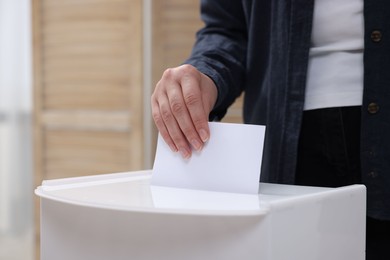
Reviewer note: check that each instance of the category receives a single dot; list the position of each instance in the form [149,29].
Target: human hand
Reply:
[181,104]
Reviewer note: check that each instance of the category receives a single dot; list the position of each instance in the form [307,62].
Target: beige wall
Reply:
[88,86]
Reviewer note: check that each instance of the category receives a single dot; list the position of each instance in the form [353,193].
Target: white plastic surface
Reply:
[121,216]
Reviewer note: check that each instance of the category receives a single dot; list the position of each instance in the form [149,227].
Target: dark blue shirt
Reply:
[261,47]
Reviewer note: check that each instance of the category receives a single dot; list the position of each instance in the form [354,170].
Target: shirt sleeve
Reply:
[220,50]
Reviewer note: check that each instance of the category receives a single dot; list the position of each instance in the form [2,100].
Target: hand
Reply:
[181,104]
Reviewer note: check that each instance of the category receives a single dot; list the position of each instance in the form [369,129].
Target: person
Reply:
[315,72]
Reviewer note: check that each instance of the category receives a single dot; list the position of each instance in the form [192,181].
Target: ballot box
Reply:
[122,216]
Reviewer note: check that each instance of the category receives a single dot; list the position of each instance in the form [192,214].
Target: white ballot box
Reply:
[122,216]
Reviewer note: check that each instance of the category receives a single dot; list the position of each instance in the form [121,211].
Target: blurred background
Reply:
[75,83]
[16,173]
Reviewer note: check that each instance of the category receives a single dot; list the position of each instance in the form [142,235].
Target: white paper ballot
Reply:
[230,161]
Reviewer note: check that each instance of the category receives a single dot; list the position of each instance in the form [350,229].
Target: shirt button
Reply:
[376,36]
[373,108]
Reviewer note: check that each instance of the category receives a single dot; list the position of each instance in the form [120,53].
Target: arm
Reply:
[220,50]
[212,77]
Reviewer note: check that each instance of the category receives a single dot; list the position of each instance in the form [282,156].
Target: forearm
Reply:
[220,50]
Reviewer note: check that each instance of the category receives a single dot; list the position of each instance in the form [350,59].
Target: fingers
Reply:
[157,117]
[178,109]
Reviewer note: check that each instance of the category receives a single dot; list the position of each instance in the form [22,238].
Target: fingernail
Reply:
[173,148]
[196,144]
[184,153]
[203,135]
